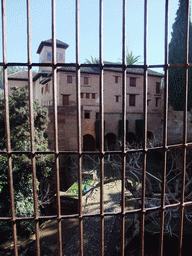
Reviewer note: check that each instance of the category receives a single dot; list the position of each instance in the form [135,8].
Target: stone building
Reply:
[89,80]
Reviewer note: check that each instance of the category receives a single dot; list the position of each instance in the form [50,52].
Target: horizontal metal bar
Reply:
[108,65]
[168,147]
[105,214]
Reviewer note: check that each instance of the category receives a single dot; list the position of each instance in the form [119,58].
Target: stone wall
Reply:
[175,126]
[67,128]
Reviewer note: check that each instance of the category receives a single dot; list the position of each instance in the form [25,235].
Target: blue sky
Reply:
[89,28]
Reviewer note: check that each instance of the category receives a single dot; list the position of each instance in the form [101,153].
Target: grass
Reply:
[85,186]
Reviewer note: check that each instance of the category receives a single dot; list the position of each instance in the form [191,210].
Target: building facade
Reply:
[89,80]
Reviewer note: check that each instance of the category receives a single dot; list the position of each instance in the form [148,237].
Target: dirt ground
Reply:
[70,228]
[91,232]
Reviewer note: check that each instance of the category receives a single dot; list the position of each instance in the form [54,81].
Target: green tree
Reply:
[92,61]
[177,56]
[131,59]
[10,70]
[21,163]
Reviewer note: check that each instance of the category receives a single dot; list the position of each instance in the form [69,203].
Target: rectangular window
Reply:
[93,95]
[49,55]
[132,100]
[116,79]
[86,80]
[132,82]
[158,87]
[157,102]
[46,88]
[117,98]
[59,56]
[87,114]
[82,94]
[87,95]
[65,99]
[69,79]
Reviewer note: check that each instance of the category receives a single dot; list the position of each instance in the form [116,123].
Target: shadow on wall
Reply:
[110,141]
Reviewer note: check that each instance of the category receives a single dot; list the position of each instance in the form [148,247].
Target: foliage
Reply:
[1,94]
[24,208]
[177,56]
[21,163]
[19,122]
[10,70]
[131,59]
[75,187]
[92,61]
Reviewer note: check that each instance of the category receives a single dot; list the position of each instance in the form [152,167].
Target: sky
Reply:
[89,28]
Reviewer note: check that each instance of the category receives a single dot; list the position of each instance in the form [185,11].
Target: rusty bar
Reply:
[169,206]
[165,118]
[101,107]
[79,136]
[101,151]
[142,223]
[7,126]
[184,130]
[124,128]
[30,88]
[55,118]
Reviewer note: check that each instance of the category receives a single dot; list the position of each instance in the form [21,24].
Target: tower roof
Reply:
[48,42]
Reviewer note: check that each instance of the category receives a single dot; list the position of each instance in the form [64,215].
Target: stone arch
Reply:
[130,137]
[150,135]
[88,142]
[110,141]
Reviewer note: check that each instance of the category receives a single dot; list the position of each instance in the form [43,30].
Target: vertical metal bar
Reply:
[144,128]
[56,149]
[101,88]
[184,129]
[30,86]
[124,128]
[79,138]
[7,126]
[165,118]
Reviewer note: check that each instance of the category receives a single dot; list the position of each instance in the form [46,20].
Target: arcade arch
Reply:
[88,142]
[110,141]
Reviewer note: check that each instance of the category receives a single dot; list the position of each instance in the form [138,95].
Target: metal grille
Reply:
[143,210]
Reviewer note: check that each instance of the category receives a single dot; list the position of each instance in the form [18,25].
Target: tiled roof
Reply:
[42,73]
[95,70]
[21,75]
[88,69]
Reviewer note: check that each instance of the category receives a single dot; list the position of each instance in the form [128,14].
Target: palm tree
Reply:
[131,59]
[92,61]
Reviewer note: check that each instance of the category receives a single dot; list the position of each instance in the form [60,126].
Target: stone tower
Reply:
[45,52]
